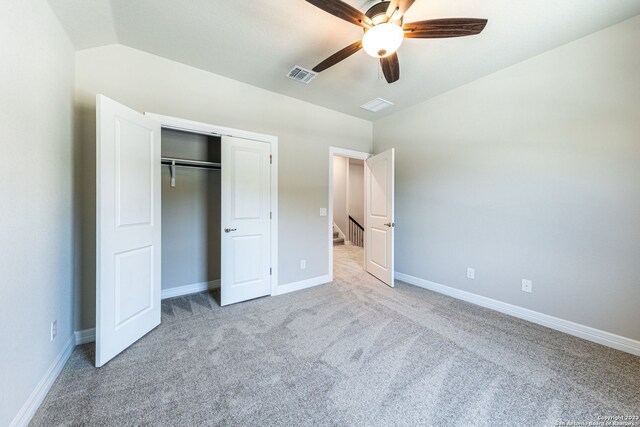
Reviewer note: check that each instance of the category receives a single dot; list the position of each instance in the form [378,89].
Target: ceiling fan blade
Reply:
[391,68]
[338,56]
[343,11]
[443,28]
[401,6]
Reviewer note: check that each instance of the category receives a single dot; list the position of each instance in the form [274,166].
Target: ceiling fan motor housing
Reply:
[378,13]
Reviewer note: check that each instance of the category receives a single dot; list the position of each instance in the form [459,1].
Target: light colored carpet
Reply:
[353,352]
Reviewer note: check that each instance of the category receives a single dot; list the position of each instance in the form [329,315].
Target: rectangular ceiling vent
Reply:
[376,105]
[301,75]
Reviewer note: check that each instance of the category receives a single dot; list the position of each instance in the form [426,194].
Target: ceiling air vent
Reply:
[301,75]
[376,105]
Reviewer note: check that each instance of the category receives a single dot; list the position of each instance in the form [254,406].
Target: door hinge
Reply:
[270,215]
[270,159]
[270,271]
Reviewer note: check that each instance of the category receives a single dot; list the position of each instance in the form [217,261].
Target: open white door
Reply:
[246,211]
[379,205]
[128,227]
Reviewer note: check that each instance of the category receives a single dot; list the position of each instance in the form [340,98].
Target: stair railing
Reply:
[356,232]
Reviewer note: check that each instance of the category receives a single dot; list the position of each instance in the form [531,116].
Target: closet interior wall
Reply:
[190,212]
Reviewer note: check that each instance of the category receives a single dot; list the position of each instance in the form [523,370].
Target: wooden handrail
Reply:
[356,223]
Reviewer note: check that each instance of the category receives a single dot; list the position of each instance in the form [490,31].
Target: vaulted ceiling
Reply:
[259,41]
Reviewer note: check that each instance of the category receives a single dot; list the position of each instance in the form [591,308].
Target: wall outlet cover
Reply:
[527,286]
[471,273]
[323,211]
[54,329]
[303,264]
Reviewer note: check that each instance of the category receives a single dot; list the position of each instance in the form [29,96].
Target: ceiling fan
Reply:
[384,31]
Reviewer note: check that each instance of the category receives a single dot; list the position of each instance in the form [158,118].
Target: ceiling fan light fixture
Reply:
[382,40]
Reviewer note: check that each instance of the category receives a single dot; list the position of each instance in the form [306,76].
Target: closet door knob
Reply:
[229,230]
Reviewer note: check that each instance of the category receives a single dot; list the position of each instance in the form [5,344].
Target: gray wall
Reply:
[190,212]
[532,172]
[147,82]
[356,190]
[340,192]
[36,218]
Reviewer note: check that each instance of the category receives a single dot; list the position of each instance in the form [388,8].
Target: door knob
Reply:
[229,230]
[390,224]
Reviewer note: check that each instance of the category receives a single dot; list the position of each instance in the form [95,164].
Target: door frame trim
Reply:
[168,122]
[342,152]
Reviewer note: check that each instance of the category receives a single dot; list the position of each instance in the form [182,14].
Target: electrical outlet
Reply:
[323,211]
[54,329]
[471,273]
[527,286]
[303,264]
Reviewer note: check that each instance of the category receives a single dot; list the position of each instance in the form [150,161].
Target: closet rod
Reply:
[186,163]
[190,163]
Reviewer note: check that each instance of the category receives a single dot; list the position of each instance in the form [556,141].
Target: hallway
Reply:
[348,265]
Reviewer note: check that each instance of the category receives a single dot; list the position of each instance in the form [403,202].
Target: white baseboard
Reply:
[189,289]
[601,337]
[303,284]
[85,336]
[32,404]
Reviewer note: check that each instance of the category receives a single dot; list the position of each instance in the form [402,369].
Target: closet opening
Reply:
[170,222]
[191,215]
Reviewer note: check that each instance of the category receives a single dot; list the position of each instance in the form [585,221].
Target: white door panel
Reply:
[133,285]
[246,208]
[134,174]
[379,207]
[247,248]
[128,227]
[379,247]
[246,184]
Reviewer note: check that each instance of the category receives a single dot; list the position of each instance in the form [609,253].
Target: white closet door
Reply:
[128,227]
[379,207]
[246,228]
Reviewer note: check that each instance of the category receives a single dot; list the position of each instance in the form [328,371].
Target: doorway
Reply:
[376,232]
[348,213]
[191,208]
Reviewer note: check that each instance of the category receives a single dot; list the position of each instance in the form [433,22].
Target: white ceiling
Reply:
[259,41]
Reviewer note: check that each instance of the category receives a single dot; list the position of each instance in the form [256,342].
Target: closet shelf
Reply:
[189,163]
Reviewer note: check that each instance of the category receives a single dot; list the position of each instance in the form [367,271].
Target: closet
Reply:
[180,206]
[191,212]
